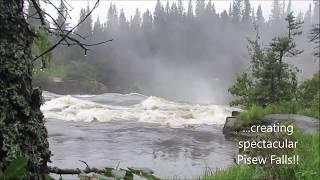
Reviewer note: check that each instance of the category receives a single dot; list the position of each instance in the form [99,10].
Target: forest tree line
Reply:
[176,48]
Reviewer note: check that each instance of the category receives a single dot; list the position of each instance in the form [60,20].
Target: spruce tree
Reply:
[180,7]
[61,19]
[289,7]
[316,12]
[308,17]
[247,11]
[236,11]
[275,11]
[270,78]
[200,8]
[260,17]
[136,21]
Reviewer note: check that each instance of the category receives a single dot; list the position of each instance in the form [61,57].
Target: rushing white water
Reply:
[133,130]
[134,107]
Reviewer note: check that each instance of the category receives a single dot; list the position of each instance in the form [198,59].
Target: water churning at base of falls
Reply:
[174,139]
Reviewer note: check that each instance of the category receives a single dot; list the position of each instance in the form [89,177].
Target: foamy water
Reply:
[132,130]
[142,109]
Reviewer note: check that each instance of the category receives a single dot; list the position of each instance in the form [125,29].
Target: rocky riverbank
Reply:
[305,123]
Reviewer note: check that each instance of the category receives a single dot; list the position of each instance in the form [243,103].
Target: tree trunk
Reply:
[22,130]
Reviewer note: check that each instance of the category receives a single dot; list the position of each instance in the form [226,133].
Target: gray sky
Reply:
[129,7]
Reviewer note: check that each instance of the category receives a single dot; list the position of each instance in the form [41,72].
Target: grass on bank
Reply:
[255,113]
[308,168]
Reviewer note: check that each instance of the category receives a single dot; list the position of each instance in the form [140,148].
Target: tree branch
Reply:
[66,35]
[56,170]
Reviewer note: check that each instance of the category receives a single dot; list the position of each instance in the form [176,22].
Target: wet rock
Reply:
[231,125]
[235,113]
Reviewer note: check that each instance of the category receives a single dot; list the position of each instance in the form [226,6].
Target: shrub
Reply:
[253,115]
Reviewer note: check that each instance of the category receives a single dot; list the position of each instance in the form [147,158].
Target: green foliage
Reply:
[253,115]
[80,70]
[308,149]
[315,38]
[243,88]
[15,170]
[309,153]
[314,110]
[308,90]
[270,79]
[40,44]
[285,107]
[309,97]
[73,70]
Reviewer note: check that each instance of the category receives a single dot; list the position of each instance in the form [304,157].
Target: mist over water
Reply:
[184,51]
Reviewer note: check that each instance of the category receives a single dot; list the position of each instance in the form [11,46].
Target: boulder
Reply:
[307,124]
[231,125]
[235,113]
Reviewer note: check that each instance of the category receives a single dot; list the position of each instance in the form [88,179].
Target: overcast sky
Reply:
[129,7]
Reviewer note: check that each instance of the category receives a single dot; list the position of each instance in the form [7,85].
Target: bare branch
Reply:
[38,9]
[65,35]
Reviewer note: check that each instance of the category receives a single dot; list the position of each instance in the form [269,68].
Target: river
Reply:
[174,139]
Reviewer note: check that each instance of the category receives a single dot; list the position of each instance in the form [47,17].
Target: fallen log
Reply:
[56,170]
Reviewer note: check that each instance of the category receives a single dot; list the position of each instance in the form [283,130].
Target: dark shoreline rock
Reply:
[231,124]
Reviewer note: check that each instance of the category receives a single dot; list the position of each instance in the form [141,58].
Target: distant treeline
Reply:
[180,51]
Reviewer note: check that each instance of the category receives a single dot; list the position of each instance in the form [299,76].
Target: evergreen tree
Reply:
[136,21]
[260,17]
[208,9]
[180,7]
[97,29]
[61,19]
[271,79]
[88,22]
[159,15]
[236,11]
[167,8]
[224,16]
[316,6]
[247,11]
[230,10]
[190,9]
[112,19]
[253,17]
[200,8]
[307,17]
[213,8]
[289,7]
[146,22]
[174,12]
[315,38]
[275,11]
[85,28]
[123,23]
